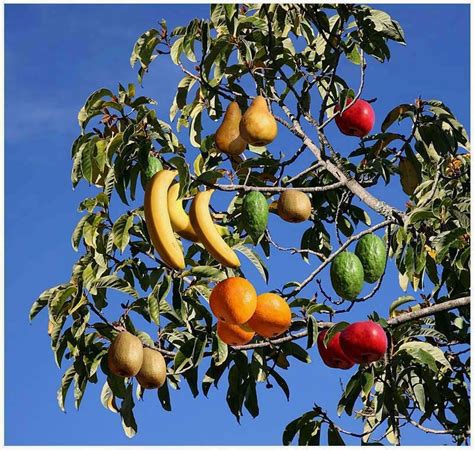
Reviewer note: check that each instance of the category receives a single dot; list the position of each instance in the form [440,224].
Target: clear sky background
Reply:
[56,55]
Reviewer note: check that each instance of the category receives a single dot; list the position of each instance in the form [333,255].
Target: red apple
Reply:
[332,355]
[357,120]
[364,342]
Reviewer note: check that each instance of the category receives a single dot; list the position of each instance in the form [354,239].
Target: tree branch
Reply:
[402,318]
[346,244]
[247,188]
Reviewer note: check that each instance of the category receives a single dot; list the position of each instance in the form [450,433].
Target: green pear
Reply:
[228,139]
[258,126]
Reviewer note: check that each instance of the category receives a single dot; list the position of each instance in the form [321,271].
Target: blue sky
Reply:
[55,56]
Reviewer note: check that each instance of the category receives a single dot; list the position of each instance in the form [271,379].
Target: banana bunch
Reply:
[165,215]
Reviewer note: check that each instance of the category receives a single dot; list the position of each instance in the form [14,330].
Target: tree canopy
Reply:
[290,55]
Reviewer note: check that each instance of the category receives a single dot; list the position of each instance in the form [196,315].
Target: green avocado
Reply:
[255,214]
[371,251]
[151,166]
[347,275]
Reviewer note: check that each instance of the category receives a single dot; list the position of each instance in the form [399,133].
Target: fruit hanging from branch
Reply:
[125,355]
[357,120]
[347,275]
[255,214]
[233,300]
[332,353]
[152,373]
[158,220]
[364,342]
[370,250]
[234,334]
[258,126]
[180,221]
[294,206]
[228,138]
[272,316]
[209,235]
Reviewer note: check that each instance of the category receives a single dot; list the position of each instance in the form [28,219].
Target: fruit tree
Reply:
[249,74]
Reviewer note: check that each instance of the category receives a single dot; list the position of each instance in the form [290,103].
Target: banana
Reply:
[208,233]
[178,216]
[158,221]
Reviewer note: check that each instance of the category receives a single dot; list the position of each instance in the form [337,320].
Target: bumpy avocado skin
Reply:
[255,214]
[347,275]
[371,251]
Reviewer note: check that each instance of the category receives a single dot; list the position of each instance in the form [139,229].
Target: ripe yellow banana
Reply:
[208,233]
[178,216]
[158,221]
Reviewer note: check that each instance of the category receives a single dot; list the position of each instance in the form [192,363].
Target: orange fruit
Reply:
[233,300]
[272,316]
[234,334]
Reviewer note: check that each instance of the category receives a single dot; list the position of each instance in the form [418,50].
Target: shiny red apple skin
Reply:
[364,342]
[332,355]
[357,120]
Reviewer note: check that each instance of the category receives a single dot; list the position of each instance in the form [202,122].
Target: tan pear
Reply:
[258,126]
[125,355]
[152,374]
[227,137]
[294,206]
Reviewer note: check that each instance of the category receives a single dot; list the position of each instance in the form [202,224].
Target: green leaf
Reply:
[77,234]
[126,413]
[312,331]
[92,106]
[281,382]
[399,302]
[254,259]
[107,398]
[293,349]
[425,353]
[394,115]
[158,294]
[65,384]
[176,49]
[251,400]
[222,352]
[121,229]
[334,437]
[114,282]
[164,397]
[333,330]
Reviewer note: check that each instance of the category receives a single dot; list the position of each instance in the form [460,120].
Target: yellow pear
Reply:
[125,355]
[152,374]
[227,137]
[258,126]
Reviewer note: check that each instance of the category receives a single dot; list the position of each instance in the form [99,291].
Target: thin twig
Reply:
[346,244]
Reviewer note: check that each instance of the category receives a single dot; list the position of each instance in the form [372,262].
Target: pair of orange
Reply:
[241,313]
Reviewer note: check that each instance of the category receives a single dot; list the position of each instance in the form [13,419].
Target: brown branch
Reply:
[372,202]
[426,429]
[429,311]
[402,318]
[247,188]
[293,250]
